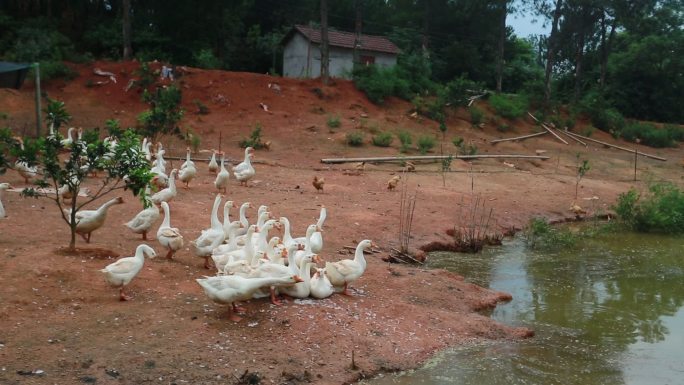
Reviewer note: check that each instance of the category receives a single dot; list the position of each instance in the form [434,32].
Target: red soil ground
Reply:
[57,314]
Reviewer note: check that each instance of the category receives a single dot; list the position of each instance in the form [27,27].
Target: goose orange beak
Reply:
[298,278]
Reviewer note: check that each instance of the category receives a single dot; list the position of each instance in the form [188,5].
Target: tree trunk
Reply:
[426,30]
[126,13]
[325,49]
[72,219]
[579,55]
[551,54]
[357,33]
[502,39]
[605,48]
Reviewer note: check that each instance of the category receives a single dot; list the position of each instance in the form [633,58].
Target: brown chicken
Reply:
[318,183]
[392,183]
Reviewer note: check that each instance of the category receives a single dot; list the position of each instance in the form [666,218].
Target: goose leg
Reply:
[232,316]
[345,291]
[206,263]
[274,300]
[84,237]
[88,240]
[144,235]
[238,309]
[169,255]
[122,295]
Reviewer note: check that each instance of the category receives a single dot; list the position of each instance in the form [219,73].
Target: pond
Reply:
[608,311]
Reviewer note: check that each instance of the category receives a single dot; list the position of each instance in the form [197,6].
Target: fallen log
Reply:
[544,126]
[572,137]
[618,147]
[429,157]
[519,137]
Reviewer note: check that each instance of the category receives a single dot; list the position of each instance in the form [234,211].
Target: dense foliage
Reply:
[659,210]
[612,57]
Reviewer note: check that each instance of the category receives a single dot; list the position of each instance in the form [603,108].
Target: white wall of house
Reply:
[303,60]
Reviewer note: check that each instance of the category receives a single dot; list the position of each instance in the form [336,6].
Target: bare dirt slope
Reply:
[57,314]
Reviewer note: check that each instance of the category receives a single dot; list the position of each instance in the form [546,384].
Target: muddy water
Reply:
[610,311]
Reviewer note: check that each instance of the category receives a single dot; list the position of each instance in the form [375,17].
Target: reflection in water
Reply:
[607,312]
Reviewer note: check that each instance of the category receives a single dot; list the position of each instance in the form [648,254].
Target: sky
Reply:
[525,25]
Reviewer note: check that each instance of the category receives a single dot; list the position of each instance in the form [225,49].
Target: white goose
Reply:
[212,237]
[221,255]
[121,272]
[245,171]
[144,220]
[301,289]
[213,165]
[169,237]
[228,289]
[343,272]
[168,193]
[69,140]
[88,221]
[27,172]
[226,217]
[245,253]
[269,269]
[307,243]
[320,286]
[316,239]
[243,218]
[187,170]
[223,176]
[3,187]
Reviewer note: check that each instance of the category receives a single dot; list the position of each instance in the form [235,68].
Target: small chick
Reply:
[360,166]
[318,183]
[410,167]
[392,183]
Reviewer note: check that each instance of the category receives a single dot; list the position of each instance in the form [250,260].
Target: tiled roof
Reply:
[346,40]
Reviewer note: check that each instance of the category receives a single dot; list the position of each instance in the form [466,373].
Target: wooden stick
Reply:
[519,137]
[618,147]
[573,138]
[406,255]
[428,157]
[544,126]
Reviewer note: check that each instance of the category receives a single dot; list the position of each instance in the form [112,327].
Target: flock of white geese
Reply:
[249,263]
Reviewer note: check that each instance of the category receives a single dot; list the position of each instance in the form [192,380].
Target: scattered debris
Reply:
[248,378]
[511,165]
[264,107]
[275,87]
[99,72]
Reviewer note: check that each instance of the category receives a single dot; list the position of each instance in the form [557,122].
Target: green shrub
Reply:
[355,139]
[456,92]
[432,107]
[380,83]
[503,127]
[383,139]
[425,143]
[602,115]
[648,134]
[539,234]
[164,114]
[661,210]
[476,116]
[254,140]
[457,141]
[675,132]
[588,131]
[405,139]
[509,106]
[205,58]
[202,108]
[334,121]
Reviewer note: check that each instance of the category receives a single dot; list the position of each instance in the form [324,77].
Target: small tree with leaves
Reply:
[582,168]
[124,167]
[164,114]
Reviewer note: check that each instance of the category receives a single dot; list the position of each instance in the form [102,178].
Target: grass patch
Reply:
[405,139]
[334,121]
[476,116]
[383,139]
[355,139]
[425,144]
[660,210]
[509,106]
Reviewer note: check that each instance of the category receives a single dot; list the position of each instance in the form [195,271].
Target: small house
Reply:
[302,53]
